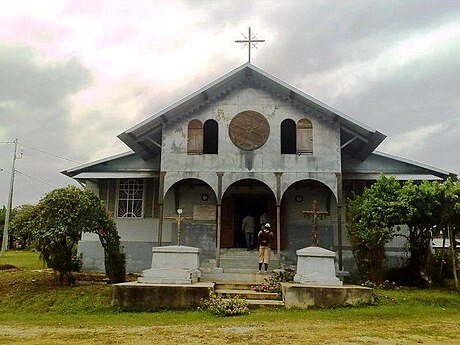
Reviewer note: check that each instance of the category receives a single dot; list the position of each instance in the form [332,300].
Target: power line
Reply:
[31,185]
[36,179]
[50,154]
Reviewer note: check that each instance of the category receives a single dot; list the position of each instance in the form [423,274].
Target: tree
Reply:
[21,227]
[449,215]
[371,219]
[2,224]
[61,217]
[420,207]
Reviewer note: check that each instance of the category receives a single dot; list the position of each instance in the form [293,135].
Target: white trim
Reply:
[207,87]
[408,161]
[115,175]
[103,160]
[399,177]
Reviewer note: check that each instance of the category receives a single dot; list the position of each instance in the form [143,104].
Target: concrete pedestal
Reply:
[315,266]
[172,265]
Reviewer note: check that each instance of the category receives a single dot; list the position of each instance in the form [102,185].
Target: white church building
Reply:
[247,143]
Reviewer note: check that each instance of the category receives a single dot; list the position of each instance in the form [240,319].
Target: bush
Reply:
[444,262]
[228,306]
[60,219]
[386,285]
[273,282]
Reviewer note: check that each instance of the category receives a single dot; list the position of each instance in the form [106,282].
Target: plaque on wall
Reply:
[204,212]
[249,130]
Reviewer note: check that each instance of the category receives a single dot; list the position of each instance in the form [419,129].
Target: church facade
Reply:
[247,143]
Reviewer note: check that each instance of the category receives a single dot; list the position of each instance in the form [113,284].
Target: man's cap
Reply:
[267,225]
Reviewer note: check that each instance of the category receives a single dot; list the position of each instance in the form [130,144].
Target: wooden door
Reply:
[228,207]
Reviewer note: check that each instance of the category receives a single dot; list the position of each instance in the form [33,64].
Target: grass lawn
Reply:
[33,310]
[22,259]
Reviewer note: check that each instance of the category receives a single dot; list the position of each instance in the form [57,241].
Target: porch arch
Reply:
[247,196]
[198,200]
[298,197]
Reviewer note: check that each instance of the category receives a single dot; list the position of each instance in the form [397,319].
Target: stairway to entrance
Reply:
[240,265]
[239,260]
[253,298]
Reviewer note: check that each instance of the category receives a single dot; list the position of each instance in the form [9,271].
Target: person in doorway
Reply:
[248,228]
[263,220]
[265,237]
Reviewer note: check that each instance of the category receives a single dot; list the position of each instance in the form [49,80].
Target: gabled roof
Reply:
[122,165]
[144,138]
[402,168]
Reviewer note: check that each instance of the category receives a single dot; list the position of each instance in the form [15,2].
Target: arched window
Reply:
[288,137]
[195,137]
[210,137]
[304,136]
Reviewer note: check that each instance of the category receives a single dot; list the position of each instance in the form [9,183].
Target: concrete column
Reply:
[339,235]
[339,219]
[161,186]
[278,212]
[219,216]
[278,230]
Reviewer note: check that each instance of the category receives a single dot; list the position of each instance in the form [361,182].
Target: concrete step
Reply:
[245,262]
[265,303]
[259,303]
[249,294]
[233,277]
[251,270]
[235,285]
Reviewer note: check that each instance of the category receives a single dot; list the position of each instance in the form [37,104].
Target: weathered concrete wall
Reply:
[150,297]
[305,296]
[138,255]
[261,163]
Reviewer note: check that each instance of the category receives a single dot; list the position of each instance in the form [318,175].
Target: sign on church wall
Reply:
[204,212]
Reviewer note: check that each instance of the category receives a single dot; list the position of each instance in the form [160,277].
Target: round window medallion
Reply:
[249,130]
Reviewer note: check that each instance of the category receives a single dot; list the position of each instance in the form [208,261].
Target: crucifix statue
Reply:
[249,41]
[315,214]
[178,219]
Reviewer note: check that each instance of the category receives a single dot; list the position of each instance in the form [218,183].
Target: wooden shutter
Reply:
[304,136]
[195,137]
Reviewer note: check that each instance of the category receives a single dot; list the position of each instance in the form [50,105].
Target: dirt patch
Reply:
[5,267]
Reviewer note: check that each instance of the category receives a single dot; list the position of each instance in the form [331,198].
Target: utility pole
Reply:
[10,199]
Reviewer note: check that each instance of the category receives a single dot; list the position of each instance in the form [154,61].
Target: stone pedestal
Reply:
[172,265]
[315,266]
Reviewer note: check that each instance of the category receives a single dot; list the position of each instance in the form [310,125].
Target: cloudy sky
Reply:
[74,74]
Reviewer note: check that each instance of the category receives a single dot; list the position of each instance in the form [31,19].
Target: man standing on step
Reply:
[248,228]
[265,240]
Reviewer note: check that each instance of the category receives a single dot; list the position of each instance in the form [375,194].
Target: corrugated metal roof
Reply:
[134,136]
[115,175]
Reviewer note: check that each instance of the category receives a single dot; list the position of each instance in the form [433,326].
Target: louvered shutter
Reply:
[195,137]
[304,136]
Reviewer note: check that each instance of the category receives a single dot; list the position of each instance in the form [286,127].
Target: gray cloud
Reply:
[35,107]
[306,38]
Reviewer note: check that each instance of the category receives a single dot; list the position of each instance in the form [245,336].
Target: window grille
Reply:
[130,198]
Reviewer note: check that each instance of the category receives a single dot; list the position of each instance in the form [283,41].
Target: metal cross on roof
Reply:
[249,41]
[315,214]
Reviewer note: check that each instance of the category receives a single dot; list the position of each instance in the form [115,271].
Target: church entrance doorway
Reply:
[245,197]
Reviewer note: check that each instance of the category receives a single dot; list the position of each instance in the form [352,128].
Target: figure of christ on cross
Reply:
[315,214]
[178,219]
